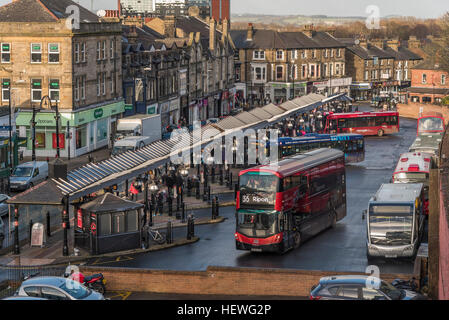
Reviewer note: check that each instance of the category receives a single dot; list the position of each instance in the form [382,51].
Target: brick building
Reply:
[78,67]
[429,83]
[378,67]
[220,10]
[277,66]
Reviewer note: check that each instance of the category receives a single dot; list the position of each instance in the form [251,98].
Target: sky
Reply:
[417,8]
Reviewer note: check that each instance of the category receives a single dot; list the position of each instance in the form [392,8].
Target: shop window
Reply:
[5,89]
[54,90]
[53,53]
[118,223]
[36,90]
[5,51]
[132,219]
[81,136]
[40,140]
[104,224]
[102,129]
[36,53]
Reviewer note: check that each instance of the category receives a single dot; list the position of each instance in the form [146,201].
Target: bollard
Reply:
[197,195]
[31,228]
[221,176]
[213,208]
[48,225]
[230,181]
[190,228]
[217,208]
[208,193]
[170,205]
[183,213]
[169,237]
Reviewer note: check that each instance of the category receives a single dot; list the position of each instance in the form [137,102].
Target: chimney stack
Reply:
[393,44]
[225,27]
[212,35]
[414,43]
[309,30]
[250,33]
[170,26]
[119,7]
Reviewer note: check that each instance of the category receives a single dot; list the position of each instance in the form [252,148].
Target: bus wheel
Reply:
[380,133]
[297,238]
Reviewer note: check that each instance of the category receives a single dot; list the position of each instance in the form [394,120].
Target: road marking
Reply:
[118,259]
[124,295]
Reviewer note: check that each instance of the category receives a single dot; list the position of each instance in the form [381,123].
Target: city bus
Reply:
[395,221]
[364,123]
[431,123]
[428,143]
[415,168]
[353,145]
[281,205]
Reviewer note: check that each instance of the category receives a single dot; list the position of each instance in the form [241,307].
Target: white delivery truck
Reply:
[130,143]
[140,125]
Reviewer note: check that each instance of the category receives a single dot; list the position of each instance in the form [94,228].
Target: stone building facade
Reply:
[278,66]
[78,67]
[378,67]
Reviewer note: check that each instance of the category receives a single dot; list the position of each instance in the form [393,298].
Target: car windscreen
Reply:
[22,172]
[75,289]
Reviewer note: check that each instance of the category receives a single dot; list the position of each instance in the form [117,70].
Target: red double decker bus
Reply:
[364,123]
[281,205]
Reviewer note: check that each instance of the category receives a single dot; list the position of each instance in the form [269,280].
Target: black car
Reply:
[359,288]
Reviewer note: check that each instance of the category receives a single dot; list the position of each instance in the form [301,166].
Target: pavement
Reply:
[131,295]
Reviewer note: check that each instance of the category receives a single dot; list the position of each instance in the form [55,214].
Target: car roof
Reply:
[336,280]
[31,164]
[51,281]
[23,298]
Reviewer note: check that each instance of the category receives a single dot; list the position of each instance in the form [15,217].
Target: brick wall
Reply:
[219,281]
[411,110]
[443,285]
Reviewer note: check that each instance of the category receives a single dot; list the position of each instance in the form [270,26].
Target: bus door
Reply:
[287,228]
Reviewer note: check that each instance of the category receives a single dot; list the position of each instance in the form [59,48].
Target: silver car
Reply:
[57,288]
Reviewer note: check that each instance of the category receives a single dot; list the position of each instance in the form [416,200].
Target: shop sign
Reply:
[165,107]
[98,113]
[152,109]
[128,106]
[174,105]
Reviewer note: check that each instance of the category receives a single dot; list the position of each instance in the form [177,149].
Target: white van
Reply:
[28,175]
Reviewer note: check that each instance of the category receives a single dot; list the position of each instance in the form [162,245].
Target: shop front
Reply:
[165,115]
[360,91]
[89,130]
[174,111]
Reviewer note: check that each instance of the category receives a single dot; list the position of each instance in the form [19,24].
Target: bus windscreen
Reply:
[258,189]
[431,125]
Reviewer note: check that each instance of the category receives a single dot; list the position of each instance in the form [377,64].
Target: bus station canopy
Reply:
[93,177]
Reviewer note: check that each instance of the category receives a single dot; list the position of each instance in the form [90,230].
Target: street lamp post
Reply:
[33,134]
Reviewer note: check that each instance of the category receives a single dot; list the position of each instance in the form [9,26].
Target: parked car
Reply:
[2,232]
[4,209]
[57,288]
[357,288]
[28,175]
[23,298]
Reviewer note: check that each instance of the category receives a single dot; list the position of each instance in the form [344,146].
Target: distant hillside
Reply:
[293,19]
